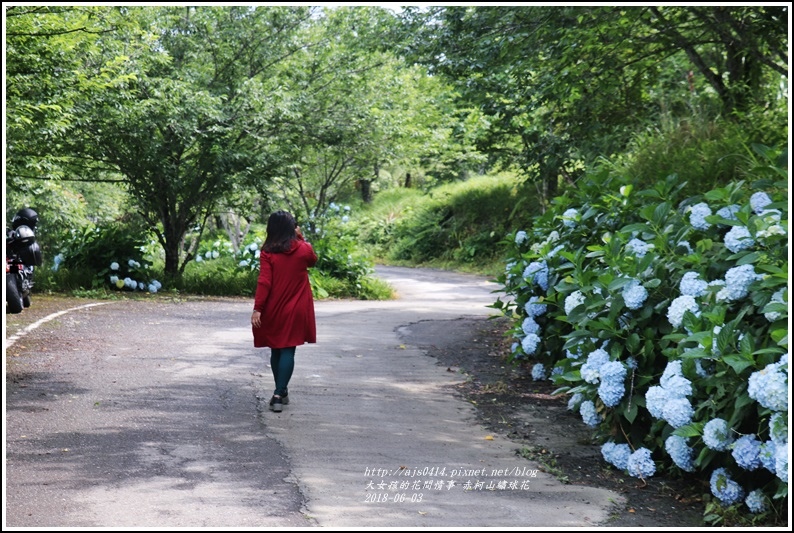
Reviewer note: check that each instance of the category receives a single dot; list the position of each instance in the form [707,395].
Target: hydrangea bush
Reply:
[665,320]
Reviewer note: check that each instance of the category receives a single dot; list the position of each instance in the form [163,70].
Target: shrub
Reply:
[657,323]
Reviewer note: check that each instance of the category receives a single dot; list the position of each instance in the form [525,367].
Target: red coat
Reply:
[284,297]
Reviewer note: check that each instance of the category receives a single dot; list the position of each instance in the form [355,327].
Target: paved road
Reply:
[144,414]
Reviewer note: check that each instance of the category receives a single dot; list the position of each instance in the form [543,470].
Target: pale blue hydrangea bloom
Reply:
[538,272]
[530,343]
[716,435]
[638,247]
[726,490]
[634,294]
[703,368]
[738,239]
[199,259]
[631,363]
[152,288]
[113,279]
[758,201]
[555,250]
[539,372]
[521,236]
[114,266]
[530,326]
[674,382]
[715,332]
[698,214]
[692,285]
[345,219]
[756,501]
[769,387]
[745,452]
[778,298]
[616,454]
[766,454]
[514,347]
[572,301]
[130,283]
[781,463]
[682,455]
[679,306]
[589,415]
[655,399]
[612,387]
[557,371]
[575,399]
[686,246]
[533,308]
[132,263]
[640,464]
[778,428]
[678,412]
[570,218]
[729,212]
[590,370]
[573,355]
[738,280]
[141,285]
[243,263]
[253,248]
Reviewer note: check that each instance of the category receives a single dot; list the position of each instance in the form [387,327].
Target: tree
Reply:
[564,85]
[186,129]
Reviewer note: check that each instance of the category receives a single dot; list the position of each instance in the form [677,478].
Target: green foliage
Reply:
[461,222]
[608,271]
[117,256]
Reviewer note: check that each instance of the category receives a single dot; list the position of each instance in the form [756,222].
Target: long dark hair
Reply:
[280,232]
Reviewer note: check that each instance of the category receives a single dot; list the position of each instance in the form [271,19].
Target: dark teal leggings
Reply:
[282,362]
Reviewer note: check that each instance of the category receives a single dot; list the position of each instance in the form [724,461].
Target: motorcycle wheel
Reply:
[26,301]
[14,302]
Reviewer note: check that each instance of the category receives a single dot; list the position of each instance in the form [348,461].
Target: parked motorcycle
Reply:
[23,254]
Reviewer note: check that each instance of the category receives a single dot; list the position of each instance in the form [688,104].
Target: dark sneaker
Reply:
[276,404]
[285,399]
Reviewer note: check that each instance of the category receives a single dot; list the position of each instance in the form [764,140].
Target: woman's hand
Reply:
[298,232]
[256,319]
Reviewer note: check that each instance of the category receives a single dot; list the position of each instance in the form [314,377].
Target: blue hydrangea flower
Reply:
[514,347]
[684,245]
[590,369]
[521,236]
[756,501]
[737,282]
[530,343]
[769,387]
[114,266]
[572,301]
[638,248]
[574,401]
[716,435]
[777,298]
[766,454]
[678,412]
[758,201]
[612,387]
[573,355]
[533,308]
[530,326]
[674,382]
[778,428]
[745,452]
[655,400]
[679,306]
[539,372]
[616,454]
[738,239]
[692,285]
[726,490]
[589,415]
[703,368]
[570,218]
[538,272]
[781,463]
[682,455]
[698,214]
[634,294]
[729,212]
[640,464]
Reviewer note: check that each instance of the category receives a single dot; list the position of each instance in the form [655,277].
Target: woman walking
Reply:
[283,316]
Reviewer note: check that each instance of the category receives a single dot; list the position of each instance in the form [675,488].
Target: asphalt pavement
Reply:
[154,415]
